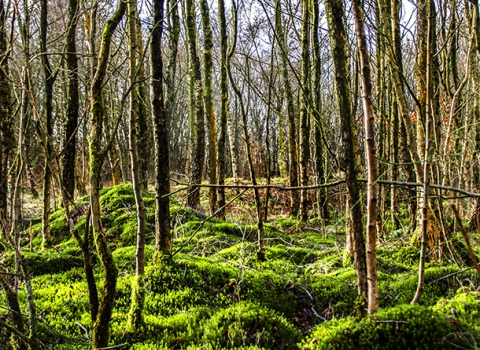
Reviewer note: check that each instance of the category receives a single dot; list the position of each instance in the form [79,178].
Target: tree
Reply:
[198,154]
[101,326]
[48,111]
[317,108]
[138,292]
[5,133]
[369,118]
[208,102]
[292,133]
[305,108]
[162,173]
[338,42]
[72,102]
[223,106]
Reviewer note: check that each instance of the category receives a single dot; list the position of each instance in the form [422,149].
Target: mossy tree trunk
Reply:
[137,298]
[372,166]
[426,98]
[338,42]
[305,108]
[101,326]
[305,103]
[5,118]
[163,241]
[72,103]
[49,80]
[198,146]
[171,68]
[292,130]
[15,313]
[222,22]
[208,101]
[144,121]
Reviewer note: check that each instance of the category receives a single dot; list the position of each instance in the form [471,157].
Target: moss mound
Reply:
[400,327]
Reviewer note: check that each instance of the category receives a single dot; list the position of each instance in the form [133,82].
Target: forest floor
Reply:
[216,294]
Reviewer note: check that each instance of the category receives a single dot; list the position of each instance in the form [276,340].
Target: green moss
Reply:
[463,310]
[401,327]
[439,282]
[247,324]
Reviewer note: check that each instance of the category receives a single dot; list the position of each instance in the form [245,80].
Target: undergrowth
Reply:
[216,294]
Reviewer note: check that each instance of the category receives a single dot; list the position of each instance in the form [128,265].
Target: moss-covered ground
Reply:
[215,294]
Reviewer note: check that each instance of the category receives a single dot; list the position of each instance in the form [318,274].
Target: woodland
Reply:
[255,174]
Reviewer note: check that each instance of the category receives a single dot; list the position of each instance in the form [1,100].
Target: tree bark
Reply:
[48,111]
[223,105]
[101,326]
[6,137]
[208,101]
[292,130]
[163,241]
[338,42]
[198,157]
[305,109]
[372,166]
[322,206]
[138,295]
[72,103]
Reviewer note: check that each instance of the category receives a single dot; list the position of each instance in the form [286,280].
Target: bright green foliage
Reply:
[248,324]
[463,310]
[401,327]
[216,294]
[401,289]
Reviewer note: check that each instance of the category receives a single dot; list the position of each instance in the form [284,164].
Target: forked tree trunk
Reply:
[101,326]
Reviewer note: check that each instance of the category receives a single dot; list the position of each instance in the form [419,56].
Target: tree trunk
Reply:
[198,156]
[322,206]
[427,107]
[163,241]
[72,103]
[292,131]
[222,22]
[138,292]
[338,42]
[305,109]
[101,326]
[372,167]
[208,101]
[48,136]
[6,138]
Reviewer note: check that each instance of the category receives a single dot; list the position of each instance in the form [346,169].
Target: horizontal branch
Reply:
[328,184]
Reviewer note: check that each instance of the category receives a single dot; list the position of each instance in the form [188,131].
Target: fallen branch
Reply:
[186,186]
